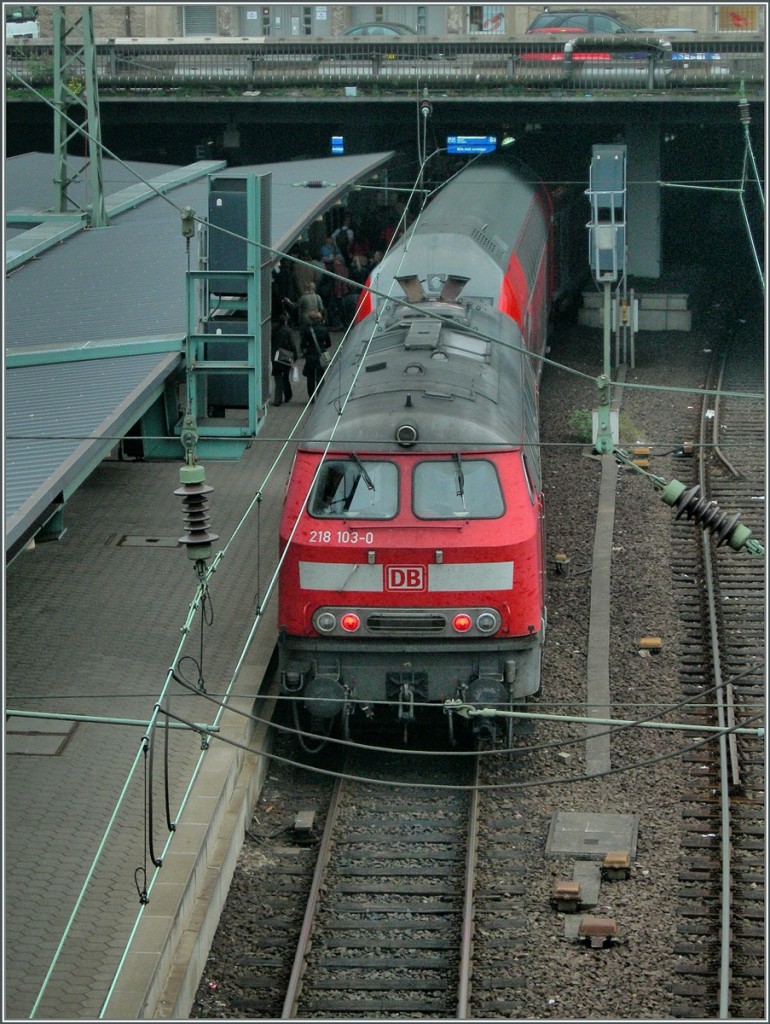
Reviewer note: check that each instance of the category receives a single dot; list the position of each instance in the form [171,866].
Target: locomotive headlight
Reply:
[487,622]
[406,435]
[325,622]
[350,622]
[462,622]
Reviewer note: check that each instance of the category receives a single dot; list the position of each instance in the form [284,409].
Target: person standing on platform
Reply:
[344,236]
[283,354]
[309,302]
[314,340]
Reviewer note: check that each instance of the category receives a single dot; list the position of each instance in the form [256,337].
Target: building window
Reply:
[737,18]
[199,20]
[487,18]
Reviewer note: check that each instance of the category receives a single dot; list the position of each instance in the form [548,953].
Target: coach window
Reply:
[355,489]
[457,488]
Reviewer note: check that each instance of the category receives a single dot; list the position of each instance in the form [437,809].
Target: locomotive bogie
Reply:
[379,675]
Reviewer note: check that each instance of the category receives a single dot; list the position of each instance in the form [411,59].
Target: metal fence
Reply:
[462,64]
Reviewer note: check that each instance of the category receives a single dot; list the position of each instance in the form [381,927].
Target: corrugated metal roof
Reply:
[123,281]
[29,179]
[55,413]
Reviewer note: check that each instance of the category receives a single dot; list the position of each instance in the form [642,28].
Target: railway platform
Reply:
[92,928]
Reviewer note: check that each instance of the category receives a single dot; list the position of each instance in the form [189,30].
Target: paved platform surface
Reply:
[92,627]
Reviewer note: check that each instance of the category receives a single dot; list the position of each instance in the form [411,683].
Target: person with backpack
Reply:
[315,343]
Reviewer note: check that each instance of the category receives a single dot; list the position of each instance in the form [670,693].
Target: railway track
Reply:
[436,903]
[721,898]
[385,917]
[408,899]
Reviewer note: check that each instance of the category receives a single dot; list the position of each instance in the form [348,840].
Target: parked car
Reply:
[379,28]
[596,21]
[588,60]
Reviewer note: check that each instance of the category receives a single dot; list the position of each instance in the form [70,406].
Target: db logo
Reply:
[405,577]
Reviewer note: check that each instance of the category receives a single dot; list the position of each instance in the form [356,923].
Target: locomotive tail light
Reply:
[350,622]
[462,622]
[488,622]
[325,622]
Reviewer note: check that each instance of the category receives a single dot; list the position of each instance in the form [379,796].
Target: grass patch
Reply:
[580,427]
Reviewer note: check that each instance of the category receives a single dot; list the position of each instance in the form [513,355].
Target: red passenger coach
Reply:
[412,541]
[491,224]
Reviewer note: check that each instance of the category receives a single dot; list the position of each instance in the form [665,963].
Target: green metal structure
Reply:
[76,110]
[211,341]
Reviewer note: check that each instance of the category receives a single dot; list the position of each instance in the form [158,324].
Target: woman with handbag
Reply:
[315,343]
[308,302]
[283,354]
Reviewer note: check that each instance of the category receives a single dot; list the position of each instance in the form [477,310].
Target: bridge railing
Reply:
[462,63]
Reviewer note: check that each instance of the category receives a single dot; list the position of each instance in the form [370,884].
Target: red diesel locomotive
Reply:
[412,528]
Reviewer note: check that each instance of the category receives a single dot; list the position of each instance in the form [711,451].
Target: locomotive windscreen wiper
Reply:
[364,474]
[460,478]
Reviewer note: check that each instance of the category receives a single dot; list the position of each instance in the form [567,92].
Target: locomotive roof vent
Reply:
[452,288]
[412,288]
[406,435]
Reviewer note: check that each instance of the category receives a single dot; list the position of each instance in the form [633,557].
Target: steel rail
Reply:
[294,987]
[715,426]
[466,938]
[722,716]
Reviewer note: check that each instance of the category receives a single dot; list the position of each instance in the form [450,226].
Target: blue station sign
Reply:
[466,144]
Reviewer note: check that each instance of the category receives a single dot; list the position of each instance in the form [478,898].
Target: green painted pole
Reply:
[604,443]
[104,720]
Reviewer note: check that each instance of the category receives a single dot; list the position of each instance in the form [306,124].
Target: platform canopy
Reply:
[95,319]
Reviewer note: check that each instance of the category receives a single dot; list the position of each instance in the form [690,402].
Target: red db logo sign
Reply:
[405,577]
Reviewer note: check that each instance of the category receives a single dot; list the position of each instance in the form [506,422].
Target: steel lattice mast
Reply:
[75,86]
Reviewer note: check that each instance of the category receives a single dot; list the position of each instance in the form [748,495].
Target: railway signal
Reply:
[607,256]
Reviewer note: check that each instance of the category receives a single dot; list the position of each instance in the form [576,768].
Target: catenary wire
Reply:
[611,730]
[562,780]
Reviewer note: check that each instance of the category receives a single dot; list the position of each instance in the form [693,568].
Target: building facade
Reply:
[328,20]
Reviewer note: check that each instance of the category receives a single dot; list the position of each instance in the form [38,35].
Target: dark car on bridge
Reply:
[595,21]
[598,46]
[374,29]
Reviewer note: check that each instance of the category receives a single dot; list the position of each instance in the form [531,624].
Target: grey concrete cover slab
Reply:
[590,836]
[37,736]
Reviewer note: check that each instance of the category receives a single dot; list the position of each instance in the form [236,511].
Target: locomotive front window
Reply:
[459,487]
[355,489]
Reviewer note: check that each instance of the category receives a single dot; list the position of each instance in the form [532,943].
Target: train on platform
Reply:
[412,531]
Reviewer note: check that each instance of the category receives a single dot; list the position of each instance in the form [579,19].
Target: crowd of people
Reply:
[315,295]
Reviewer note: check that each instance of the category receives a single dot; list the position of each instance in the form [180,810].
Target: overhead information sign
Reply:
[338,145]
[471,144]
